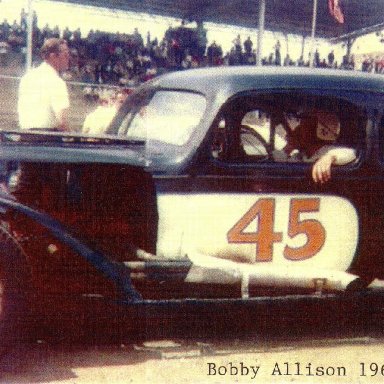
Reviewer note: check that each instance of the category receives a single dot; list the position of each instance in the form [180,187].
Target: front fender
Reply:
[111,270]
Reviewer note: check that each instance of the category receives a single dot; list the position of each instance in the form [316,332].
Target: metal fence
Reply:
[84,98]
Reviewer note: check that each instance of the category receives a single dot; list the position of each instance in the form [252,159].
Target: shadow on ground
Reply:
[190,332]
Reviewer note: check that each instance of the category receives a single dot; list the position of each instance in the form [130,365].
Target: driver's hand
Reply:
[321,170]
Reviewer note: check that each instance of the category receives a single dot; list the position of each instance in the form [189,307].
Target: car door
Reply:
[252,203]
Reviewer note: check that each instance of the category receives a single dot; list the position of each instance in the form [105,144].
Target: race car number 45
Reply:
[318,231]
[265,236]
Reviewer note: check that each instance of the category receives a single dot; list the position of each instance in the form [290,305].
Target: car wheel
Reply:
[13,294]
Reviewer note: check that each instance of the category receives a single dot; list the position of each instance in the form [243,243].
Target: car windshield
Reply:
[168,116]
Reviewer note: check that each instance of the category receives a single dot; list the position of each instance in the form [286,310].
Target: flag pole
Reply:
[314,17]
[260,33]
[29,36]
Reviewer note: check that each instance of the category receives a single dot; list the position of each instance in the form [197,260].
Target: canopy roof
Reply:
[288,16]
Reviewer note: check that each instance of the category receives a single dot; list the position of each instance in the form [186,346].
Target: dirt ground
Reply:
[341,360]
[323,342]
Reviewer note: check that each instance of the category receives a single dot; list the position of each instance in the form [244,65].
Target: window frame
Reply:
[287,166]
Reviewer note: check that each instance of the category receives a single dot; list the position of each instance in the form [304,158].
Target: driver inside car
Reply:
[312,137]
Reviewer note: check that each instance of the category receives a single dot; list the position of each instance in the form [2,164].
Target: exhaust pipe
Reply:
[208,269]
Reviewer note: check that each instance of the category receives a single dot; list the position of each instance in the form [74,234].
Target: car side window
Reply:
[285,127]
[167,116]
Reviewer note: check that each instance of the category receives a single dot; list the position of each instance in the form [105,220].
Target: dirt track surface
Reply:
[320,342]
[44,363]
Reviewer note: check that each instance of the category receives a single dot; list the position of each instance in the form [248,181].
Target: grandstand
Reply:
[186,48]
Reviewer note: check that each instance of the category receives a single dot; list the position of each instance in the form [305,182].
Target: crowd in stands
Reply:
[127,59]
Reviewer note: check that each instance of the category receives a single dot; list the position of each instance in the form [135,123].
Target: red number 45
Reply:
[265,236]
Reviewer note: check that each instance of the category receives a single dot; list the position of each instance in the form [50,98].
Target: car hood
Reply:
[70,148]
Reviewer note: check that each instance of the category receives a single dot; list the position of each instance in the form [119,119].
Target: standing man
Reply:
[331,58]
[43,95]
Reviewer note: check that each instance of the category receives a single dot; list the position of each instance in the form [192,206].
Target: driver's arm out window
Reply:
[302,129]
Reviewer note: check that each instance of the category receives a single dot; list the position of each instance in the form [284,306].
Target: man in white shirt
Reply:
[43,96]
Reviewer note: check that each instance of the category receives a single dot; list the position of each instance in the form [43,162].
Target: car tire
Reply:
[14,277]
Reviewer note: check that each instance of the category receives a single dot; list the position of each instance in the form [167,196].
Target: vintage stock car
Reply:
[228,185]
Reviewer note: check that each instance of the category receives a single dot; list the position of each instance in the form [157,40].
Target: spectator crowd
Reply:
[127,59]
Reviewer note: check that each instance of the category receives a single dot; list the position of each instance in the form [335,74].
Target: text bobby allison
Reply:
[276,369]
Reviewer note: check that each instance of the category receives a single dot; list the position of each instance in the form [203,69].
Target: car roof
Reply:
[231,80]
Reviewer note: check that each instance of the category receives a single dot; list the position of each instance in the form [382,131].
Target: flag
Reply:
[335,10]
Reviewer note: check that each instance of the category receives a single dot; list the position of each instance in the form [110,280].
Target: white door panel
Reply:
[307,230]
